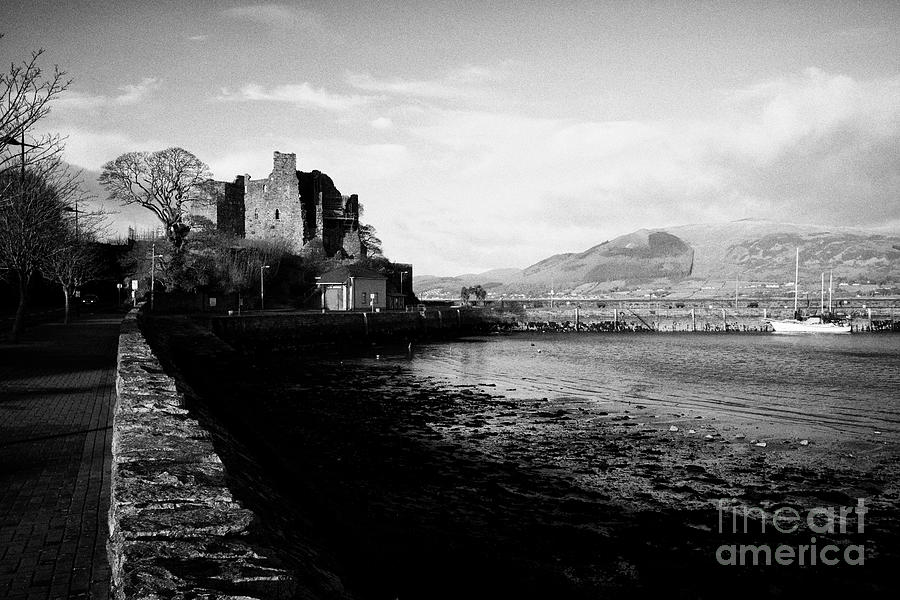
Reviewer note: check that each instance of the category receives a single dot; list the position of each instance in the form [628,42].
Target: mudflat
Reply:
[417,480]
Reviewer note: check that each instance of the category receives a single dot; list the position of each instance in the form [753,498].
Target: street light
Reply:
[262,286]
[76,211]
[11,141]
[402,293]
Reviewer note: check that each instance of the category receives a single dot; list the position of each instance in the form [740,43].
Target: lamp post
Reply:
[153,257]
[10,140]
[262,286]
[119,294]
[402,292]
[76,211]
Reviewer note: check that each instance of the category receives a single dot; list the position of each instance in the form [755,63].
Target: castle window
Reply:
[276,214]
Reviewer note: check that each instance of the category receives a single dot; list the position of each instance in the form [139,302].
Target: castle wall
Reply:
[271,209]
[329,215]
[222,203]
[230,207]
[303,209]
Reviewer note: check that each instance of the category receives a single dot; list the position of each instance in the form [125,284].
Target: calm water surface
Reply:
[843,385]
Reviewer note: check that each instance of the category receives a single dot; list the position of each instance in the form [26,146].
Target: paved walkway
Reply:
[57,390]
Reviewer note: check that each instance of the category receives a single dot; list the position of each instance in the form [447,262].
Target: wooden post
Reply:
[576,318]
[615,319]
[870,318]
[693,321]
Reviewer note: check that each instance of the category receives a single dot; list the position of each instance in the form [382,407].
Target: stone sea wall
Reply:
[718,319]
[279,331]
[175,529]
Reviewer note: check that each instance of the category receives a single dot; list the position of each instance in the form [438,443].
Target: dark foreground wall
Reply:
[278,331]
[175,529]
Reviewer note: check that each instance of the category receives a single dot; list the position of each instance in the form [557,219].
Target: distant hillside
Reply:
[765,251]
[750,250]
[639,255]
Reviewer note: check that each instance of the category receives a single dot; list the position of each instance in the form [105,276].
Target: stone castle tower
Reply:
[305,210]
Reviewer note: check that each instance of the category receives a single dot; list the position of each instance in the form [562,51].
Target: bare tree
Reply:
[74,260]
[25,95]
[165,182]
[31,225]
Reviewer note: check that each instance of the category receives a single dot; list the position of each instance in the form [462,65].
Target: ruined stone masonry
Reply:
[305,210]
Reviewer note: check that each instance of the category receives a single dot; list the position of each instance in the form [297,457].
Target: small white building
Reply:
[353,288]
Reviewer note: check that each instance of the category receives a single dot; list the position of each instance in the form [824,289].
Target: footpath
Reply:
[57,392]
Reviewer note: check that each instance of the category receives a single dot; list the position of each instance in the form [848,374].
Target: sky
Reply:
[482,135]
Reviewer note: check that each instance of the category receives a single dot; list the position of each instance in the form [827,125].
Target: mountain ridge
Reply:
[747,249]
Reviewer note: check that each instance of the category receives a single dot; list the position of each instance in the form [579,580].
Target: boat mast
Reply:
[736,291]
[796,277]
[830,281]
[822,297]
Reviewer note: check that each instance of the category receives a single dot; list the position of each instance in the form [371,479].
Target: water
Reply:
[838,385]
[570,464]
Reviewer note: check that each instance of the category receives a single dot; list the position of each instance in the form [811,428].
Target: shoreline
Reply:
[416,481]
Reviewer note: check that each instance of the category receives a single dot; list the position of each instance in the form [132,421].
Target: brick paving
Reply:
[57,391]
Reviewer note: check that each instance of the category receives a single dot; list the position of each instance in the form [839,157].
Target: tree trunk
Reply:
[65,289]
[19,321]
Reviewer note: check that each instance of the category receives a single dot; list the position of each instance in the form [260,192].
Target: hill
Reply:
[748,250]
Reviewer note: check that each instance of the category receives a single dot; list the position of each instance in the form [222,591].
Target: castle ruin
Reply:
[305,210]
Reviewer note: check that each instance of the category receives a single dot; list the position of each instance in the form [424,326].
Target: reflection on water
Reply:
[839,384]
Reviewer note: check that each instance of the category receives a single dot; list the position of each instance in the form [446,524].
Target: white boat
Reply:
[808,325]
[812,324]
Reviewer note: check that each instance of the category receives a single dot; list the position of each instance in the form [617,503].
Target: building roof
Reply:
[342,274]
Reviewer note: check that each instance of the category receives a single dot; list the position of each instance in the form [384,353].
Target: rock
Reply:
[708,436]
[804,442]
[761,444]
[673,428]
[691,431]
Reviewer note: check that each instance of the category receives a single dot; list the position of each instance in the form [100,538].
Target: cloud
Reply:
[301,94]
[811,147]
[278,16]
[381,123]
[466,83]
[90,148]
[131,94]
